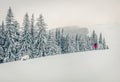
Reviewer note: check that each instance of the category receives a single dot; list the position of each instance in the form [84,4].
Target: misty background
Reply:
[58,13]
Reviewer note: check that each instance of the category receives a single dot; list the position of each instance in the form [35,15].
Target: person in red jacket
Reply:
[95,46]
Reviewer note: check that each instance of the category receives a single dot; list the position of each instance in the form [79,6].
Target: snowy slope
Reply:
[91,66]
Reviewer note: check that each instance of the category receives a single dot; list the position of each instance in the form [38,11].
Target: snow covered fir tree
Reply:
[28,43]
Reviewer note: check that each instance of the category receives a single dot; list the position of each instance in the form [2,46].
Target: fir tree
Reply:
[104,44]
[70,47]
[100,41]
[52,48]
[41,37]
[100,38]
[63,42]
[10,35]
[25,42]
[82,44]
[17,39]
[77,39]
[58,37]
[88,44]
[32,34]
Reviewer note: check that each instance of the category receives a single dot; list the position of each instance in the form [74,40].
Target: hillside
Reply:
[89,66]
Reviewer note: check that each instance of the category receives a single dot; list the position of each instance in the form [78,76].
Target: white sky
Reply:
[65,12]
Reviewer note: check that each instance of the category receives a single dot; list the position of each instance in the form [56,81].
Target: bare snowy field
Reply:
[91,66]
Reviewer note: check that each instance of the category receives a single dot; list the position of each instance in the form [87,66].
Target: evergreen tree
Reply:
[52,48]
[25,42]
[41,37]
[17,39]
[58,37]
[82,44]
[100,38]
[32,34]
[10,35]
[63,42]
[88,43]
[70,47]
[100,41]
[104,44]
[77,39]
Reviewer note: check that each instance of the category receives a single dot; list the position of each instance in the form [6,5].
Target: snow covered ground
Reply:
[90,66]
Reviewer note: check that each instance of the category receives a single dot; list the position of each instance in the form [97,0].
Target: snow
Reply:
[25,58]
[89,66]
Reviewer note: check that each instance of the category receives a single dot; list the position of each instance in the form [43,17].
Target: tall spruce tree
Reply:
[41,37]
[17,39]
[4,40]
[25,42]
[11,35]
[32,34]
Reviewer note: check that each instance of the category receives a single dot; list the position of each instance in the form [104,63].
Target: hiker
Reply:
[95,46]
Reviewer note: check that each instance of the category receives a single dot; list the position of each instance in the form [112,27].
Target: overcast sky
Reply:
[65,12]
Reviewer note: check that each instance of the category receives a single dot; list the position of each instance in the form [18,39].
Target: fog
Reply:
[58,13]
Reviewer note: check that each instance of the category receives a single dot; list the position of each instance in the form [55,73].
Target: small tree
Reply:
[104,44]
[100,41]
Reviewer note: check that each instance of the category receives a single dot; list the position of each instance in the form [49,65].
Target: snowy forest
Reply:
[15,43]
